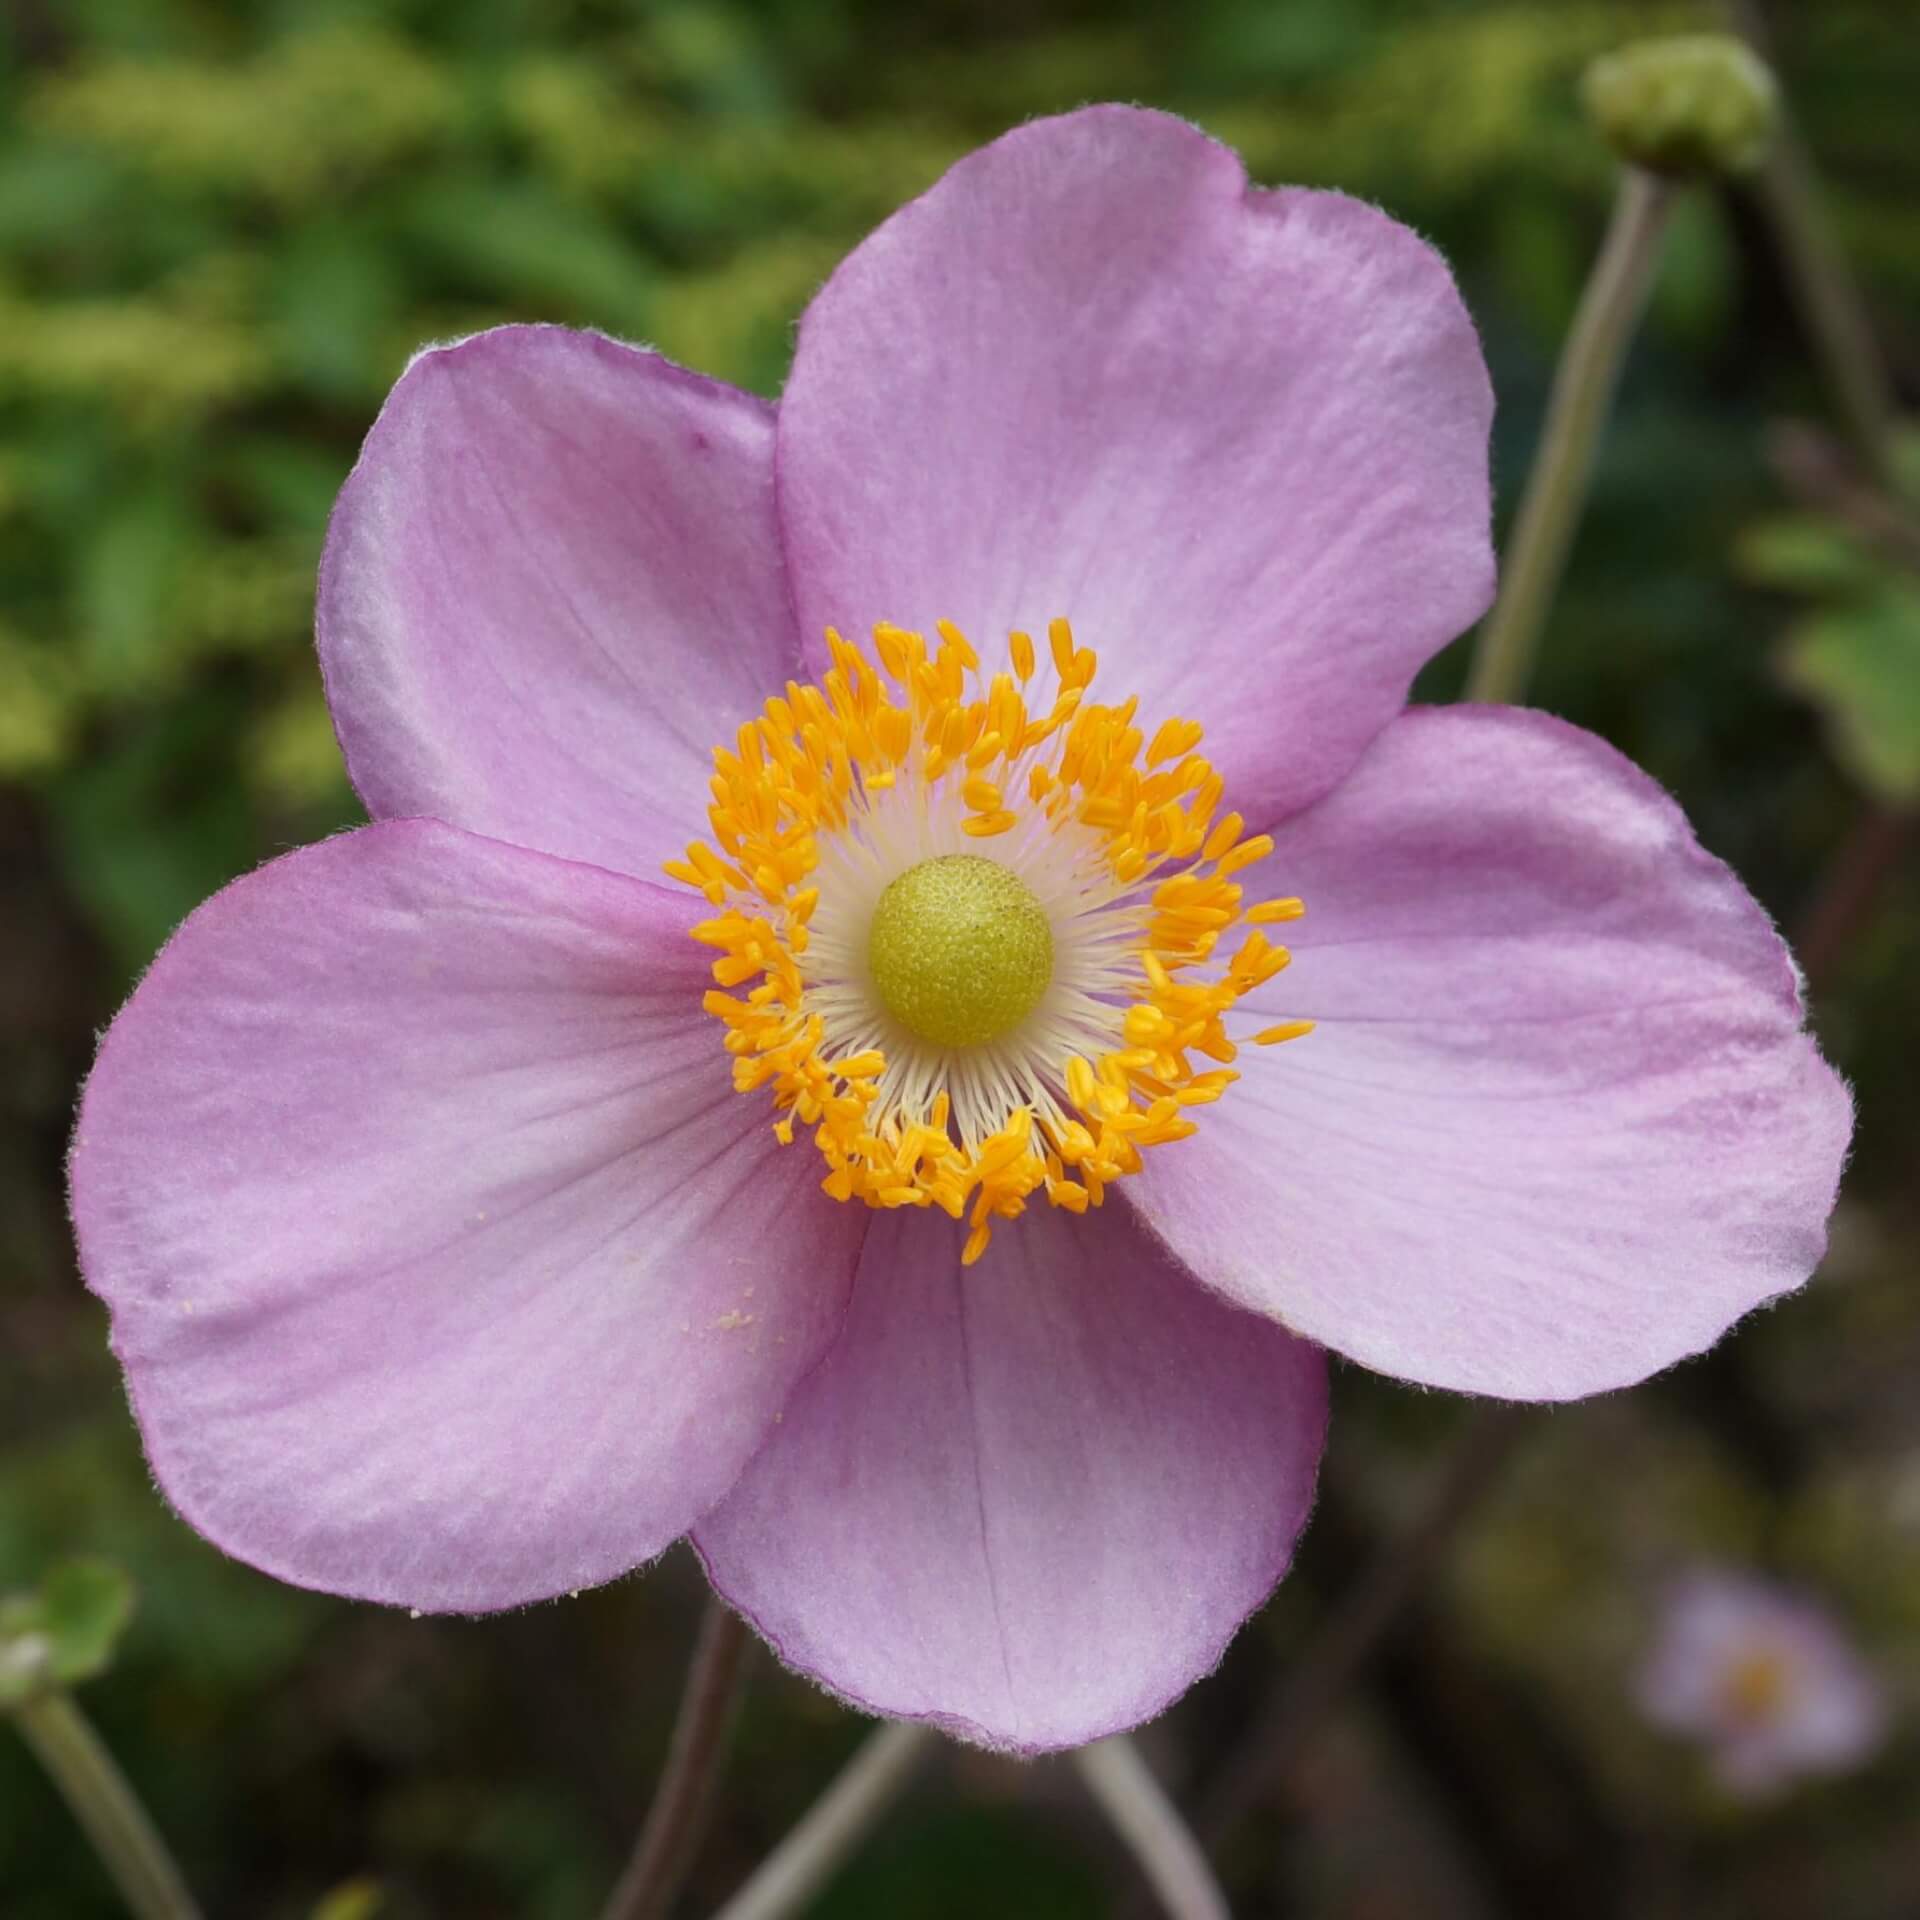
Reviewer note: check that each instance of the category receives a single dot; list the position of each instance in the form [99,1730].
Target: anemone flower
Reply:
[1764,1678]
[853,1145]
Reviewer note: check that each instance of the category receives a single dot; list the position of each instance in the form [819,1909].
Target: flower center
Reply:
[1755,1687]
[963,1032]
[960,950]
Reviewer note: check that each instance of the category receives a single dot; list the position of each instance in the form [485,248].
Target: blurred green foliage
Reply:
[222,241]
[64,1630]
[223,229]
[1856,651]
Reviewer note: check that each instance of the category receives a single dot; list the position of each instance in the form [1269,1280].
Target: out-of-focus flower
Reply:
[901,1201]
[1764,1677]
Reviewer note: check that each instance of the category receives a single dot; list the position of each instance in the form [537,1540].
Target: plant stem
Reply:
[1146,1819]
[127,1841]
[1862,390]
[1824,289]
[1583,386]
[678,1817]
[1360,1620]
[1849,892]
[796,1869]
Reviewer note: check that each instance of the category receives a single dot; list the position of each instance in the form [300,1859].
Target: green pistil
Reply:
[960,950]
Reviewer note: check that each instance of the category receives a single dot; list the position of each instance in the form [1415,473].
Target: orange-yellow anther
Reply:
[1138,809]
[1269,911]
[1287,1030]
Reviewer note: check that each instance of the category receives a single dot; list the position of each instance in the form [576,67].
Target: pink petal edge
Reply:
[1559,1125]
[446,1267]
[1029,1502]
[552,583]
[1237,437]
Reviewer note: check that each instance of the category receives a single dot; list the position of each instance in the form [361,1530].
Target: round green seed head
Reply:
[1702,103]
[960,950]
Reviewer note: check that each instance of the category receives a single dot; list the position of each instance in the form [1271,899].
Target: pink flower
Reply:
[449,1267]
[1762,1677]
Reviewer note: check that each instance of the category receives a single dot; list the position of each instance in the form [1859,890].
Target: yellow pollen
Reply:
[960,950]
[963,1031]
[1755,1687]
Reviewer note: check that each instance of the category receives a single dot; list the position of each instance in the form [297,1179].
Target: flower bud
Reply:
[1700,104]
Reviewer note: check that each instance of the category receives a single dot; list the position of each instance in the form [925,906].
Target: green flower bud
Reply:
[1702,104]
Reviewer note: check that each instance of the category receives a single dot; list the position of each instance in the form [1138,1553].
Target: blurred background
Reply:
[222,230]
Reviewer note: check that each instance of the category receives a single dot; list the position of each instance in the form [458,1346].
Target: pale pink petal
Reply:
[1238,438]
[446,1266]
[1559,1125]
[551,585]
[1031,1500]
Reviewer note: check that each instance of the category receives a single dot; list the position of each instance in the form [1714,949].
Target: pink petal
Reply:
[445,1264]
[1238,438]
[551,584]
[1030,1501]
[1559,1125]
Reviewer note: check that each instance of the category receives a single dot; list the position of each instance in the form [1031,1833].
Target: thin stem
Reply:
[1862,389]
[1360,1621]
[1583,387]
[833,1826]
[1824,289]
[678,1817]
[127,1841]
[1146,1819]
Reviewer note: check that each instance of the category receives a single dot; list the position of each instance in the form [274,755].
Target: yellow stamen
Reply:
[894,1057]
[1269,911]
[1291,1030]
[1755,1686]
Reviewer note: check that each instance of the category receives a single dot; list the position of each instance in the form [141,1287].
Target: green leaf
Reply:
[38,707]
[48,192]
[126,589]
[63,1632]
[1861,665]
[530,245]
[152,825]
[291,485]
[356,1899]
[1802,553]
[335,297]
[86,1605]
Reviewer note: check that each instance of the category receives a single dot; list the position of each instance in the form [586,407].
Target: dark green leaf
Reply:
[1861,665]
[529,244]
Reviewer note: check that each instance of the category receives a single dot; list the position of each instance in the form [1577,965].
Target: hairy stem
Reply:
[800,1865]
[678,1817]
[127,1841]
[1146,1819]
[1583,387]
